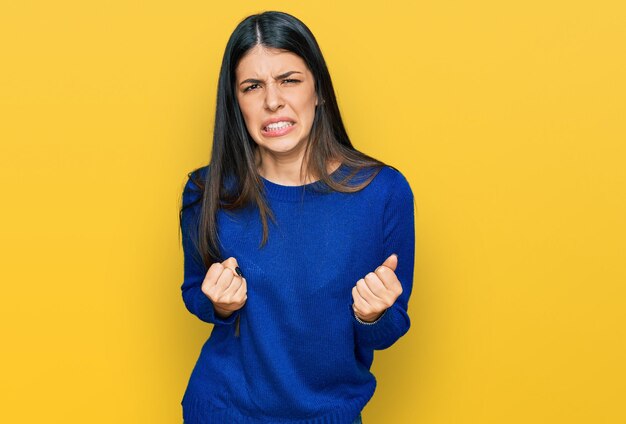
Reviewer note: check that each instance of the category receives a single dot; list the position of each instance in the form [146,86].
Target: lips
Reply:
[278,132]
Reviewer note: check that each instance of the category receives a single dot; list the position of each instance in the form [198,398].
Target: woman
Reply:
[305,263]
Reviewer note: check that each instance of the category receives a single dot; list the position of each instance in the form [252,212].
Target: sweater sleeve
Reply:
[194,269]
[399,238]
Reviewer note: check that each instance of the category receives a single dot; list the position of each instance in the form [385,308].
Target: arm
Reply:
[399,238]
[194,270]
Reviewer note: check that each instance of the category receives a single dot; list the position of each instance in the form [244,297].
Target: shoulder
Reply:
[392,184]
[194,187]
[390,175]
[198,175]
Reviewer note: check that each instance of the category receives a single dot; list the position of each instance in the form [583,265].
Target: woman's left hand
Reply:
[377,291]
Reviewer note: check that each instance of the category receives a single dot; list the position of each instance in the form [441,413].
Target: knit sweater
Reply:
[301,356]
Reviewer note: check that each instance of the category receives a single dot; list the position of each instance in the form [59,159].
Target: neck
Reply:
[283,170]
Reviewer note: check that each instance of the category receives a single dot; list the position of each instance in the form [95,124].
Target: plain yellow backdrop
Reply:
[508,119]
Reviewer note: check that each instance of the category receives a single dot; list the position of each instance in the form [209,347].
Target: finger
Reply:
[374,303]
[359,305]
[225,279]
[234,286]
[366,292]
[391,262]
[376,286]
[213,273]
[230,263]
[388,277]
[242,291]
[377,303]
[363,291]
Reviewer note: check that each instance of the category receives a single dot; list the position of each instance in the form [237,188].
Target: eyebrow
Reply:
[255,81]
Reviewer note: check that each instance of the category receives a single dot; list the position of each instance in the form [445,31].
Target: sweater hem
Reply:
[200,411]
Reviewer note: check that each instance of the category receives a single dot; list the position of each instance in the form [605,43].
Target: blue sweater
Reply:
[301,357]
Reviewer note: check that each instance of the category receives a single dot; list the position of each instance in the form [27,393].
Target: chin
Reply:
[279,145]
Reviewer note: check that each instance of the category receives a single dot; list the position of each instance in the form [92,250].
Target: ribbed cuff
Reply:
[383,332]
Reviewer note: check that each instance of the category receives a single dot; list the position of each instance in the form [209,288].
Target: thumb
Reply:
[391,262]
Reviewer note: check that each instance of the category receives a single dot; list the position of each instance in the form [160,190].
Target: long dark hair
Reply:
[233,151]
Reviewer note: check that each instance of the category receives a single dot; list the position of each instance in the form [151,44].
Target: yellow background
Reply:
[507,118]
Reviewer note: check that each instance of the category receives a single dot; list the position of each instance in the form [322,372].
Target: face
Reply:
[276,94]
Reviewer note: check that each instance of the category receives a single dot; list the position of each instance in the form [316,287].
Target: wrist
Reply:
[369,319]
[222,313]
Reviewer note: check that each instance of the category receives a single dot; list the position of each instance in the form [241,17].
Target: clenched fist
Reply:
[377,291]
[226,289]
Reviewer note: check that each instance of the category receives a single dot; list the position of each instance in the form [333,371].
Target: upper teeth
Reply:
[281,124]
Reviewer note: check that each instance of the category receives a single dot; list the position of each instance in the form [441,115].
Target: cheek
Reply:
[306,106]
[310,111]
[248,116]
[249,119]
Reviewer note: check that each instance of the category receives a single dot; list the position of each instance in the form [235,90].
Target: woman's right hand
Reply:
[225,288]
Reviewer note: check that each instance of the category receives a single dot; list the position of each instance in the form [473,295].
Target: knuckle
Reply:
[217,267]
[231,261]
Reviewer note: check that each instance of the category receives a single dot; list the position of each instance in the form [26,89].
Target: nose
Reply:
[273,98]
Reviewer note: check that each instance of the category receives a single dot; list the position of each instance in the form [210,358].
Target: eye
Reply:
[291,80]
[248,88]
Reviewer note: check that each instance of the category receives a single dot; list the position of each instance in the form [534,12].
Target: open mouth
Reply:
[277,126]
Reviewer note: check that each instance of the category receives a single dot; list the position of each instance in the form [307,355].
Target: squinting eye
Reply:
[291,80]
[250,87]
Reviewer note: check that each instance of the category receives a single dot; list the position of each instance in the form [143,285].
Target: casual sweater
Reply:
[301,355]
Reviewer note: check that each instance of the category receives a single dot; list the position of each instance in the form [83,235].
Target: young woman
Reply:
[297,247]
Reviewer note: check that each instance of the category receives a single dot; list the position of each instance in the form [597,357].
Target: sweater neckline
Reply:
[300,192]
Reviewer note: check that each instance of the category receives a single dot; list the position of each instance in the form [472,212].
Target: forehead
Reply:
[263,61]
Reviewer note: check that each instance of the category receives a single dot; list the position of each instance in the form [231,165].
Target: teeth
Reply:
[278,125]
